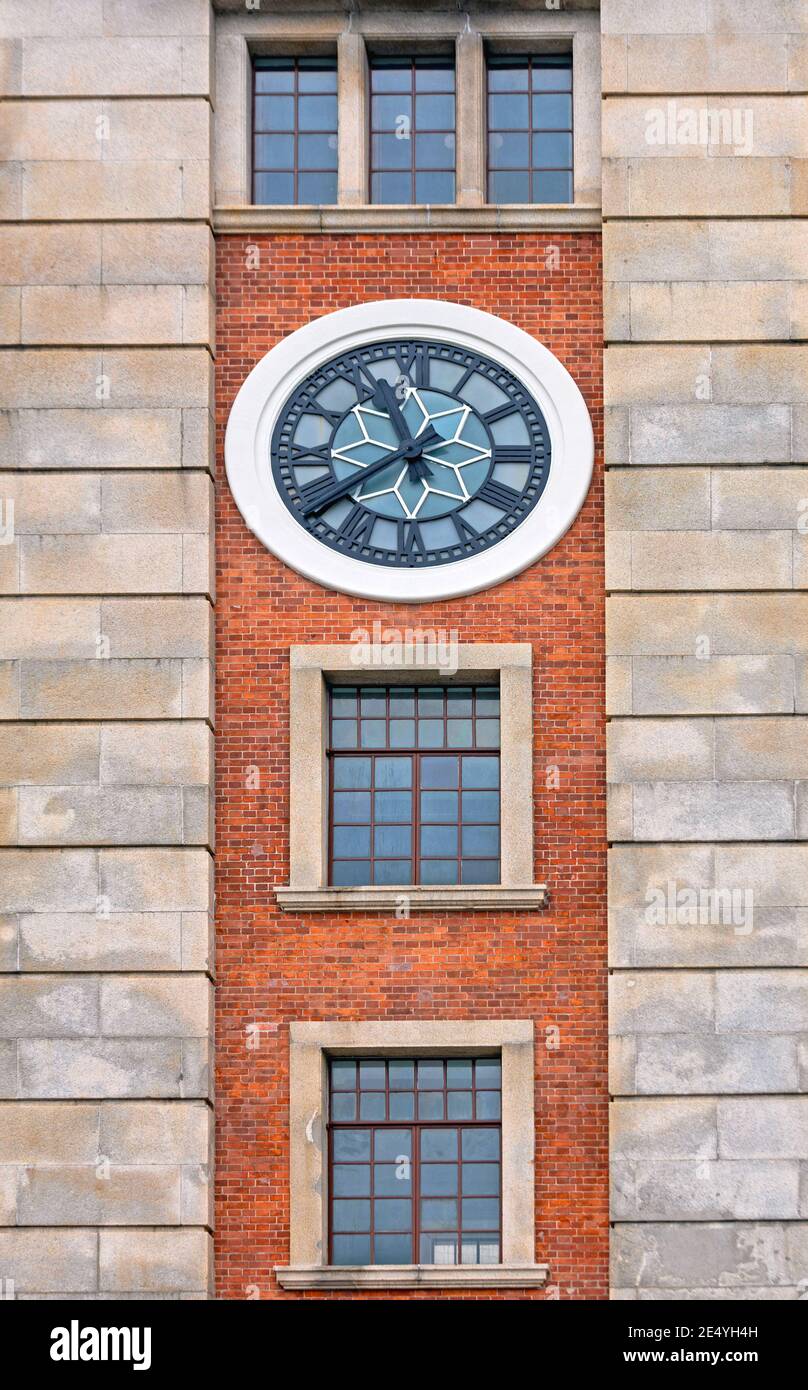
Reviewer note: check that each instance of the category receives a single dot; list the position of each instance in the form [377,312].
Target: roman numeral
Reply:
[499,412]
[361,378]
[300,453]
[358,525]
[466,533]
[513,453]
[314,494]
[317,412]
[498,495]
[410,539]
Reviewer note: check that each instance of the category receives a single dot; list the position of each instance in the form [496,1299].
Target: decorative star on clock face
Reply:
[410,453]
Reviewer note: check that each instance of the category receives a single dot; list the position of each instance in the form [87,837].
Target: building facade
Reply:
[304,974]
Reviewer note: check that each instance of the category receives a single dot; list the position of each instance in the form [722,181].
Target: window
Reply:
[412,125]
[414,1160]
[414,784]
[530,129]
[295,130]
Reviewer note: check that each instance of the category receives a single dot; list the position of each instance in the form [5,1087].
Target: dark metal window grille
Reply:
[530,129]
[294,130]
[413,785]
[414,1160]
[412,130]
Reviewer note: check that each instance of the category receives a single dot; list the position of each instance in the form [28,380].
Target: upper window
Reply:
[412,130]
[530,129]
[415,1174]
[295,130]
[414,784]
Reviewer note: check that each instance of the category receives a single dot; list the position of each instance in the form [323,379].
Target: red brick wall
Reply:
[277,967]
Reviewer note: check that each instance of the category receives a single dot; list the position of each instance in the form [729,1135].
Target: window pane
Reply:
[350,873]
[458,733]
[480,1143]
[439,772]
[317,188]
[402,733]
[508,78]
[343,1076]
[274,113]
[489,1105]
[351,806]
[373,702]
[392,841]
[434,188]
[349,1215]
[480,1179]
[317,113]
[552,78]
[531,96]
[391,871]
[352,1144]
[352,773]
[509,188]
[488,1072]
[552,111]
[294,96]
[481,1212]
[439,1179]
[438,871]
[317,151]
[437,841]
[373,733]
[274,189]
[351,841]
[552,151]
[481,841]
[458,702]
[372,1106]
[439,1214]
[391,188]
[509,151]
[459,1106]
[343,733]
[392,1250]
[352,1180]
[351,1250]
[393,772]
[388,152]
[314,78]
[393,806]
[552,186]
[430,733]
[281,79]
[402,1105]
[343,1106]
[439,1144]
[394,1145]
[480,806]
[430,1105]
[392,77]
[458,1074]
[434,79]
[401,1075]
[434,112]
[480,772]
[479,871]
[508,112]
[439,806]
[391,1215]
[274,151]
[343,701]
[392,113]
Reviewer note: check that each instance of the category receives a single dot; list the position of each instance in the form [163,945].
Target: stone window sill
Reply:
[376,217]
[461,898]
[507,1276]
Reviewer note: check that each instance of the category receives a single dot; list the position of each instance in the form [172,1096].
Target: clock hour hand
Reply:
[317,495]
[386,399]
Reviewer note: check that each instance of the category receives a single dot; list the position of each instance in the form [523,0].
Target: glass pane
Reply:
[392,1250]
[274,113]
[438,1214]
[402,733]
[343,733]
[439,806]
[373,733]
[401,1075]
[479,1249]
[458,1073]
[392,1180]
[372,1105]
[430,1105]
[343,1075]
[393,806]
[509,151]
[552,111]
[481,1212]
[458,1106]
[392,871]
[487,732]
[317,188]
[343,1106]
[439,1145]
[481,806]
[479,871]
[353,807]
[391,1215]
[392,113]
[438,1250]
[350,773]
[509,188]
[394,1145]
[439,1179]
[391,77]
[350,1250]
[371,1075]
[480,1143]
[274,189]
[552,186]
[430,702]
[435,151]
[393,772]
[434,112]
[351,841]
[351,1144]
[489,1072]
[489,1105]
[552,77]
[351,1180]
[439,772]
[458,733]
[430,1075]
[510,77]
[393,841]
[434,188]
[458,702]
[403,703]
[348,873]
[349,1215]
[438,841]
[481,841]
[314,76]
[274,151]
[552,151]
[372,702]
[317,151]
[480,1179]
[343,700]
[508,112]
[434,79]
[317,113]
[390,152]
[279,79]
[402,1105]
[439,871]
[480,773]
[430,733]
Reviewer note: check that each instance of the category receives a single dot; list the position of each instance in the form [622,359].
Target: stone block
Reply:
[704,1190]
[101,564]
[156,1132]
[150,1261]
[151,1007]
[760,373]
[714,129]
[33,755]
[720,685]
[707,433]
[76,941]
[49,1261]
[706,63]
[139,253]
[47,880]
[656,1002]
[100,815]
[67,191]
[105,689]
[164,627]
[716,1255]
[68,1195]
[766,1127]
[722,186]
[99,439]
[650,375]
[65,1068]
[159,377]
[663,1129]
[658,499]
[693,311]
[156,880]
[762,1001]
[53,505]
[761,748]
[705,1064]
[156,754]
[759,499]
[110,67]
[652,749]
[713,811]
[34,1006]
[655,17]
[49,1133]
[154,503]
[114,314]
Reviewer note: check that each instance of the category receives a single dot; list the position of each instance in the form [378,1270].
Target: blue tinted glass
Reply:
[481,806]
[348,873]
[393,806]
[510,150]
[392,113]
[552,150]
[481,1212]
[391,188]
[402,1105]
[343,1075]
[458,1074]
[351,841]
[438,841]
[458,733]
[317,113]
[481,1179]
[439,1214]
[435,151]
[480,1143]
[343,1106]
[372,1106]
[388,152]
[487,733]
[392,841]
[508,112]
[552,111]
[480,772]
[430,1075]
[343,733]
[402,733]
[430,1105]
[343,701]
[274,151]
[458,702]
[317,151]
[353,807]
[481,841]
[371,1075]
[392,1215]
[350,1215]
[430,733]
[552,186]
[401,1075]
[274,189]
[351,1250]
[434,112]
[392,871]
[351,1144]
[393,772]
[434,188]
[274,113]
[489,1073]
[511,77]
[393,1145]
[392,78]
[314,77]
[317,188]
[439,871]
[392,1250]
[352,1179]
[402,703]
[488,699]
[439,1179]
[434,79]
[508,188]
[439,772]
[372,733]
[553,78]
[439,1145]
[352,773]
[438,806]
[372,702]
[479,871]
[430,701]
[275,79]
[459,1106]
[489,1105]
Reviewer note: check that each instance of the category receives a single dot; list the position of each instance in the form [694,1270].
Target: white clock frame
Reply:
[271,382]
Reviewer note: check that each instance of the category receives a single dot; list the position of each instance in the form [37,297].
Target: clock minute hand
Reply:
[389,401]
[322,497]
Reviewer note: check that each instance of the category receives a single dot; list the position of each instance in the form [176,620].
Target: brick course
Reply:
[275,967]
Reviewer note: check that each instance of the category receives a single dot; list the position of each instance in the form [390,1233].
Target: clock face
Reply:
[410,453]
[408,450]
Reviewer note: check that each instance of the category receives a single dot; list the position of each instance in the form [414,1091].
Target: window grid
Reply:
[472,787]
[547,76]
[293,80]
[418,172]
[370,1233]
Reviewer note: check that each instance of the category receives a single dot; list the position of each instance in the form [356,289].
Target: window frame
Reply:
[328,62]
[562,61]
[310,1046]
[415,57]
[311,669]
